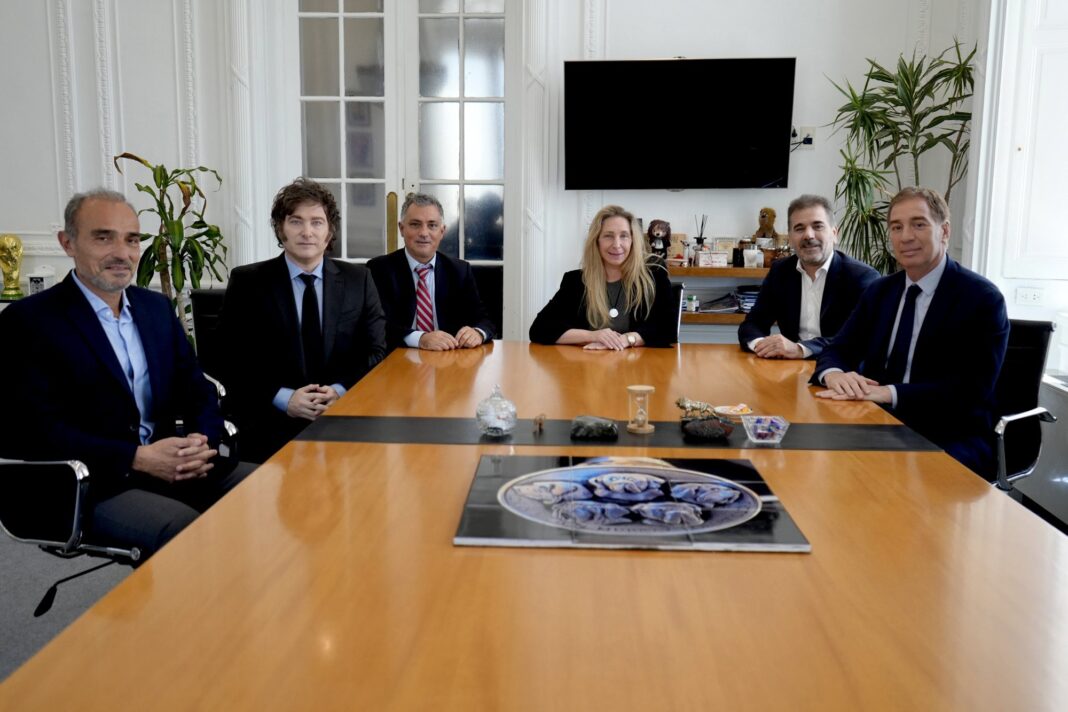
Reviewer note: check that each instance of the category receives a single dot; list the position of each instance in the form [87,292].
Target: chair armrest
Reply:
[1004,480]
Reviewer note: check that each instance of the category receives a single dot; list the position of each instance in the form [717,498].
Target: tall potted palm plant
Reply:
[185,244]
[895,118]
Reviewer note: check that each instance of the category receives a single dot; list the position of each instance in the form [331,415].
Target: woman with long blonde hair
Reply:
[617,300]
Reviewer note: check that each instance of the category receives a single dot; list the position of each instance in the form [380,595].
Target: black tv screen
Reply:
[677,123]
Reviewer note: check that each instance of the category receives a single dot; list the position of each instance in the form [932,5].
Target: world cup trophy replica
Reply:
[10,264]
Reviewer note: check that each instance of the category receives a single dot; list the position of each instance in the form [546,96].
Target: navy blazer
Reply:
[456,300]
[949,398]
[780,301]
[567,310]
[263,351]
[69,396]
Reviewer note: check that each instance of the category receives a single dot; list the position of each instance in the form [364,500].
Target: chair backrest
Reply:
[41,502]
[1017,390]
[677,295]
[207,312]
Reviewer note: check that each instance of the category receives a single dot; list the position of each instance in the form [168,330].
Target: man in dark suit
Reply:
[431,299]
[927,342]
[300,329]
[811,294]
[100,371]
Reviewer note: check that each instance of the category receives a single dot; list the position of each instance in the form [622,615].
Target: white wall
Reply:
[831,39]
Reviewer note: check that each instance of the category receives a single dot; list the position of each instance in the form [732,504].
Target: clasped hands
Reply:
[175,459]
[853,386]
[466,338]
[778,346]
[310,401]
[609,340]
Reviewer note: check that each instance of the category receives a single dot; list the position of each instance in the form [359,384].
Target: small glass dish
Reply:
[765,429]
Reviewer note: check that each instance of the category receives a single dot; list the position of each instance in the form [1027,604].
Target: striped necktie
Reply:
[424,307]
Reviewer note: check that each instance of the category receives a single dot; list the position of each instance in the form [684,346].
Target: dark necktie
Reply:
[311,335]
[895,365]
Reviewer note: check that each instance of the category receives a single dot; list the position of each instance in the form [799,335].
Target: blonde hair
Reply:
[639,289]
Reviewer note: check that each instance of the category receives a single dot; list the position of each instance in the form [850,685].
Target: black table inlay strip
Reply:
[464,431]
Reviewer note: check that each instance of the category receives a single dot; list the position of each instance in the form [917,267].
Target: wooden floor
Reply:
[328,580]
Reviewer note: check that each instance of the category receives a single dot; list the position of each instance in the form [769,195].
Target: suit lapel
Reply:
[441,289]
[333,292]
[793,295]
[938,312]
[153,341]
[282,292]
[405,285]
[833,273]
[86,323]
[886,322]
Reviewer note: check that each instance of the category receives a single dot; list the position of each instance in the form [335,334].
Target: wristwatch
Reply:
[632,339]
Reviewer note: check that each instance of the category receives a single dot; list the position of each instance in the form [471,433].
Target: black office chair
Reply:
[43,503]
[1016,396]
[207,315]
[678,293]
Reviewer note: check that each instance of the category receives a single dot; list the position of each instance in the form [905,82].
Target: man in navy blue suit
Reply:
[100,371]
[927,342]
[431,300]
[809,295]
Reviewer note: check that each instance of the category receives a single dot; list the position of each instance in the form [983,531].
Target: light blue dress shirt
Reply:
[281,398]
[125,341]
[927,284]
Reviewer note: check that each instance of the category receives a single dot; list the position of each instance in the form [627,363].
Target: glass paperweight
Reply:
[496,415]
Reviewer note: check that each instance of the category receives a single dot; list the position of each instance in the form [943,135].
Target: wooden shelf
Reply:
[736,272]
[699,318]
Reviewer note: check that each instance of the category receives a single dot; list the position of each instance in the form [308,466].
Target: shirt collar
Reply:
[822,268]
[929,281]
[295,270]
[413,263]
[97,304]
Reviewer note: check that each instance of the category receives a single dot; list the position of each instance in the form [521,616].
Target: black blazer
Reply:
[567,310]
[263,350]
[780,301]
[956,362]
[69,396]
[456,300]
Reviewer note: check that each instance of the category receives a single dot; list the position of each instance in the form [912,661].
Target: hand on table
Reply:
[778,346]
[853,386]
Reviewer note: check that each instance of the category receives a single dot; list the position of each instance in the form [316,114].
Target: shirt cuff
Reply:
[281,398]
[805,351]
[412,339]
[893,396]
[339,389]
[481,332]
[752,344]
[824,372]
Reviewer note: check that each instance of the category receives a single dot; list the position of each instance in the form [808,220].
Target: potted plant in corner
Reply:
[185,244]
[895,118]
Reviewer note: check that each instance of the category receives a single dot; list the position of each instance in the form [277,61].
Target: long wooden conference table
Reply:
[329,580]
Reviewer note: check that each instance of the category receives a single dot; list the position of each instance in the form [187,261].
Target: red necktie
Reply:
[424,308]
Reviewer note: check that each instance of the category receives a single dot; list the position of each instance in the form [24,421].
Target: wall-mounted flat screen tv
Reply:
[677,123]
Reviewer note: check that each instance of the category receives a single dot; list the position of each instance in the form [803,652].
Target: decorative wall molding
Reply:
[38,243]
[191,137]
[64,118]
[538,124]
[923,27]
[242,248]
[594,24]
[105,97]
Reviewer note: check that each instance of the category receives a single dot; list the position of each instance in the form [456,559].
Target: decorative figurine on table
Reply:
[10,265]
[700,424]
[766,227]
[638,406]
[660,238]
[496,415]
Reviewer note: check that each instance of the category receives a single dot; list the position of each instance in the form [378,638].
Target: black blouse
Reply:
[567,310]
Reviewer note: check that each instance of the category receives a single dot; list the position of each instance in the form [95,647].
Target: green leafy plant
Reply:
[890,122]
[186,244]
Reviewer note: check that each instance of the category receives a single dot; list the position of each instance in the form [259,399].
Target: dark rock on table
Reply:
[590,427]
[705,430]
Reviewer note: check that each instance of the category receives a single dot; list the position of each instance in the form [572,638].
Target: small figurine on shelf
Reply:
[766,228]
[659,238]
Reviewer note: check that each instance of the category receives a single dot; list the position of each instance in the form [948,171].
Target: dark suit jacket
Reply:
[69,396]
[567,310]
[780,301]
[263,351]
[958,355]
[456,300]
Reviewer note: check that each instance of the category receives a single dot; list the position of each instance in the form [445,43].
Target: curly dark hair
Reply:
[305,190]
